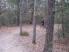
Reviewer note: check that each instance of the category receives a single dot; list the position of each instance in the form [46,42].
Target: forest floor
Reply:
[11,41]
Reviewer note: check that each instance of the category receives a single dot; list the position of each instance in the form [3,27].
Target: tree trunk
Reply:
[62,15]
[21,9]
[0,7]
[50,26]
[34,22]
[18,12]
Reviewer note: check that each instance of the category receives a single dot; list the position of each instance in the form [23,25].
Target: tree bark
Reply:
[50,26]
[62,15]
[18,12]
[34,22]
[21,9]
[0,7]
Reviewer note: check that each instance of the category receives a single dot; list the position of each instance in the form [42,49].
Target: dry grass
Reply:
[24,33]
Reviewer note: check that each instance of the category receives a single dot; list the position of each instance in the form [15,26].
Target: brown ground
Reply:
[16,43]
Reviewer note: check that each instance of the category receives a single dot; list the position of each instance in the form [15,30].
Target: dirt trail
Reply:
[11,41]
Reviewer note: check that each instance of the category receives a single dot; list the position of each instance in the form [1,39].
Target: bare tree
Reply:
[34,21]
[0,6]
[21,9]
[18,12]
[50,26]
[62,15]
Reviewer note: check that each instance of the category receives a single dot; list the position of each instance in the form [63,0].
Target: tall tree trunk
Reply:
[21,10]
[27,5]
[34,22]
[62,15]
[0,7]
[18,12]
[0,10]
[50,26]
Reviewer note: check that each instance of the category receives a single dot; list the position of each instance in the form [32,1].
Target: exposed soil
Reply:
[11,41]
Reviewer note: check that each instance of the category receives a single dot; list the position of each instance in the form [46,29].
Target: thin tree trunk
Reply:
[18,12]
[27,5]
[0,11]
[50,26]
[34,22]
[20,4]
[0,7]
[62,15]
[67,3]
